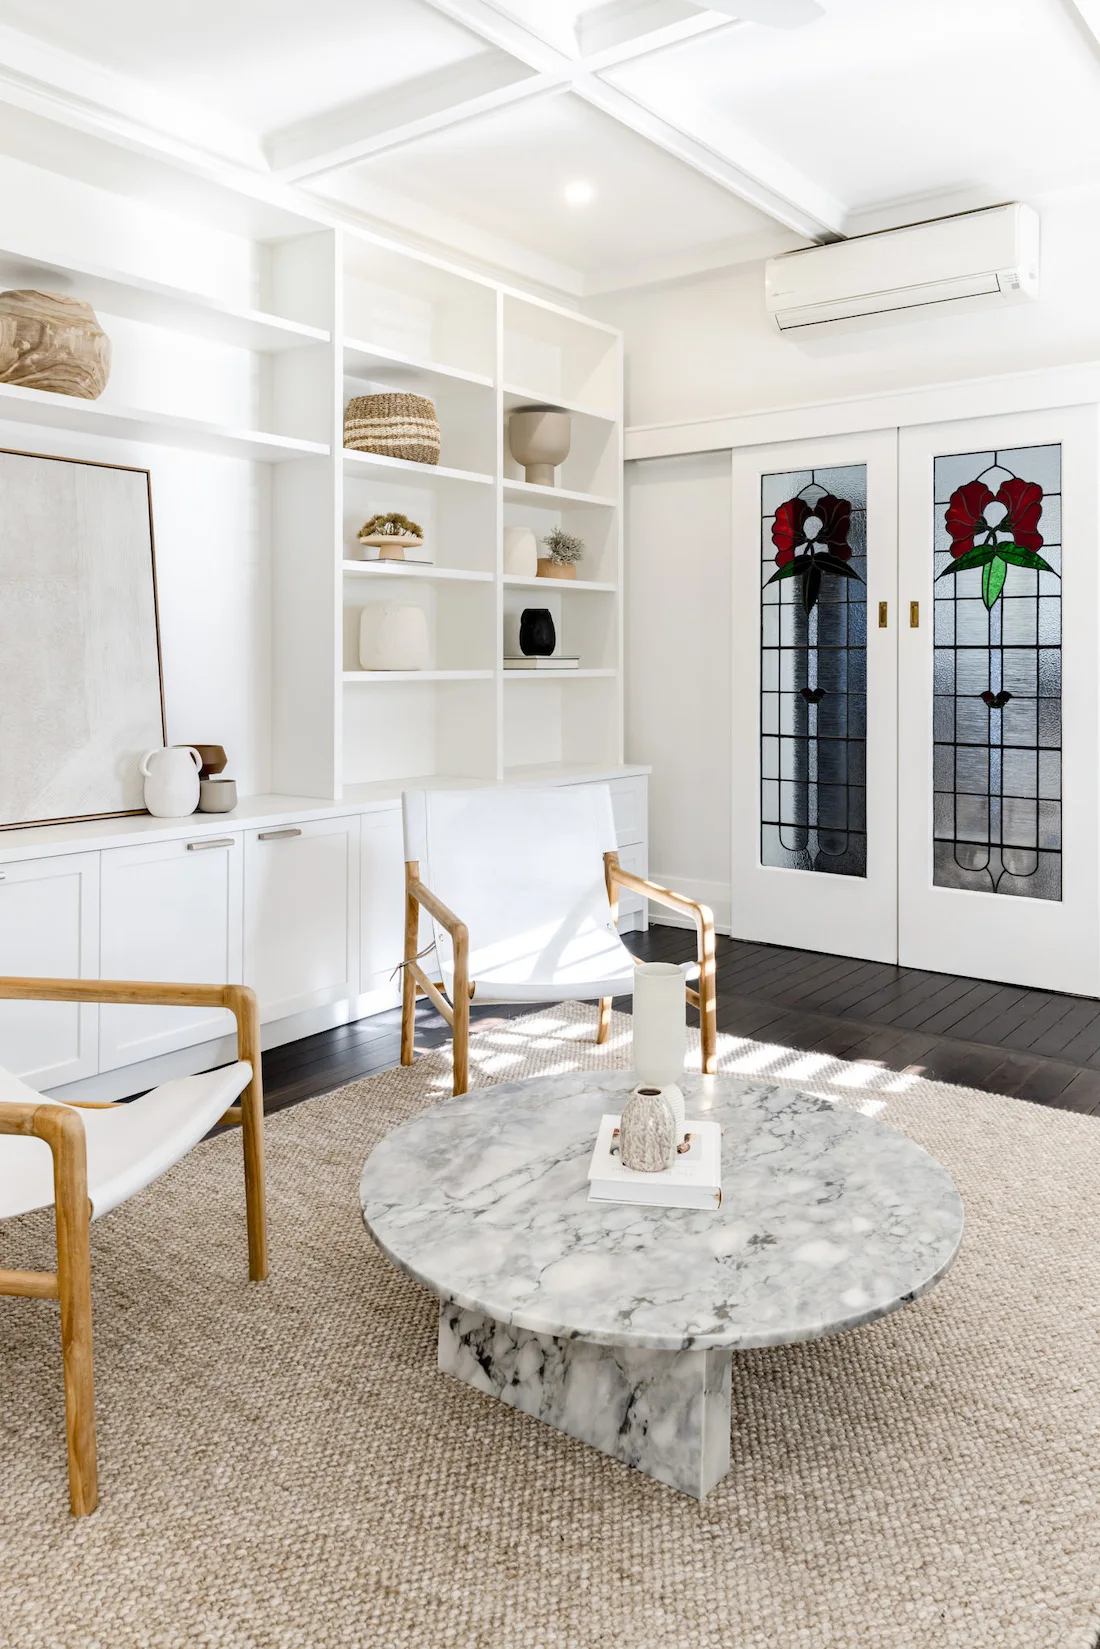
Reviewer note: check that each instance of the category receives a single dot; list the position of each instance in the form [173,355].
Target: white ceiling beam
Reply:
[626,29]
[344,136]
[506,33]
[756,176]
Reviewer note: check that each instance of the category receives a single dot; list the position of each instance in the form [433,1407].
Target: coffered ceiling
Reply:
[585,147]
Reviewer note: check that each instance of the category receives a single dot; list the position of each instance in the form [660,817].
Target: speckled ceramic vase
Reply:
[647,1132]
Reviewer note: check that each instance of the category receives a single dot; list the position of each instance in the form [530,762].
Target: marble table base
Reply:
[665,1412]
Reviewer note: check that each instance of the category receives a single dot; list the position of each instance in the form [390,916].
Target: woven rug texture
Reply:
[282,1465]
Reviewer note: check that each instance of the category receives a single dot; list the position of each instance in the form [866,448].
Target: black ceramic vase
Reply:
[537,636]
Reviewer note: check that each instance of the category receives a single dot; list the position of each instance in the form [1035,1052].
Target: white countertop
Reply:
[251,812]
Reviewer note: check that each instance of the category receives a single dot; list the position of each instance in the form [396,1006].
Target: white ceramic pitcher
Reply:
[171,781]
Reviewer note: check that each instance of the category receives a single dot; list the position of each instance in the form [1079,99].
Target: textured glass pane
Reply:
[813,640]
[997,672]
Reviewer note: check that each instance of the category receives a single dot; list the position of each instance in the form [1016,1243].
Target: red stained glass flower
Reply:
[829,521]
[1021,506]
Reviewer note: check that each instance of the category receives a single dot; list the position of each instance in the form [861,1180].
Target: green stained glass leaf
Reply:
[800,564]
[833,564]
[1024,558]
[993,580]
[972,558]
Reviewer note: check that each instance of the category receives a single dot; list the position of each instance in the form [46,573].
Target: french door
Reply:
[911,782]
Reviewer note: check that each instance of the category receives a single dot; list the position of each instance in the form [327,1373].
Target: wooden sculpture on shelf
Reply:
[52,342]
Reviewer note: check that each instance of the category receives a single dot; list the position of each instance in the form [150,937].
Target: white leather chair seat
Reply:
[128,1145]
[549,964]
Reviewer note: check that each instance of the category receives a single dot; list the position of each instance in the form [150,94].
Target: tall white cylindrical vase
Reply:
[660,1031]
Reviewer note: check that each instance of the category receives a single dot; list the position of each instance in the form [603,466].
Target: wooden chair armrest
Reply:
[446,918]
[701,915]
[17,1116]
[164,993]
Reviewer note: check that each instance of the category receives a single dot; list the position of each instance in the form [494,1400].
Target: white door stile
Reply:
[812,910]
[1054,945]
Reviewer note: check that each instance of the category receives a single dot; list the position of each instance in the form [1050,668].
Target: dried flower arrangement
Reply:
[563,547]
[389,526]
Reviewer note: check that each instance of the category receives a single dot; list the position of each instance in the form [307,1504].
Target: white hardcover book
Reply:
[693,1181]
[513,661]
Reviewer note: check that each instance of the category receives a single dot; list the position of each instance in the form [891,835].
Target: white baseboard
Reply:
[714,894]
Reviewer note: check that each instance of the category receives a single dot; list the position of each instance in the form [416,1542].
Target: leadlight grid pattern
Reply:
[997,712]
[813,702]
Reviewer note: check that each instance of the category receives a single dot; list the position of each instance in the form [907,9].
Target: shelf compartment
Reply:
[458,521]
[459,617]
[568,361]
[166,429]
[398,731]
[563,725]
[517,398]
[526,492]
[407,570]
[414,307]
[116,292]
[465,407]
[429,475]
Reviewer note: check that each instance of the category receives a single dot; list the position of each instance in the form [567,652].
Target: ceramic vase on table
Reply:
[647,1132]
[171,781]
[659,1030]
[538,438]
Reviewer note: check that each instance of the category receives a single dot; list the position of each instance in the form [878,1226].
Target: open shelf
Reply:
[363,360]
[566,359]
[578,674]
[417,675]
[116,292]
[557,585]
[516,398]
[431,475]
[166,429]
[408,569]
[527,492]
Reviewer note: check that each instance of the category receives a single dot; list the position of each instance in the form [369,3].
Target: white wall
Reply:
[703,349]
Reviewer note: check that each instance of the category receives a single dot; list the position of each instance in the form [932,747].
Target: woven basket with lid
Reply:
[398,426]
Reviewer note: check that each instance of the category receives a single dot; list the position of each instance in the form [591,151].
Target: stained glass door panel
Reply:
[814,800]
[813,670]
[997,782]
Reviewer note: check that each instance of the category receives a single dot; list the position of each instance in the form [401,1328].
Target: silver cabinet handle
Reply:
[204,847]
[278,835]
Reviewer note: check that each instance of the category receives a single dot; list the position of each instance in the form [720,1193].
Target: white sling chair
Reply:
[86,1159]
[522,888]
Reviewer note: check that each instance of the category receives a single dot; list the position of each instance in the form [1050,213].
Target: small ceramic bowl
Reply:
[217,795]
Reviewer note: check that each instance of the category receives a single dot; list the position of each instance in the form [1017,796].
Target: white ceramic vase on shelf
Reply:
[393,635]
[538,438]
[521,552]
[171,781]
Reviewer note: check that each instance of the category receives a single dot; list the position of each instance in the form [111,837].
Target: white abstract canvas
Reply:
[80,681]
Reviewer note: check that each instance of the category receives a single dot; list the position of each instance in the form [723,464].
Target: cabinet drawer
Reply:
[169,910]
[49,928]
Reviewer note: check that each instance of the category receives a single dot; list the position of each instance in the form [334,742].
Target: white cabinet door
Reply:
[301,915]
[169,910]
[382,904]
[49,927]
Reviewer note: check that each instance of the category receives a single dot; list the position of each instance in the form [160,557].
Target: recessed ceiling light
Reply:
[579,193]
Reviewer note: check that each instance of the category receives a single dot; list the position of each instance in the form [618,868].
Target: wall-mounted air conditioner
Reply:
[973,261]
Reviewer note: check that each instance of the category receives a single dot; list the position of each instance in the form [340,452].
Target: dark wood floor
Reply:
[1033,1044]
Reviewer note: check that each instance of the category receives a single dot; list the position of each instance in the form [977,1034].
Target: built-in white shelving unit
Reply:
[259,369]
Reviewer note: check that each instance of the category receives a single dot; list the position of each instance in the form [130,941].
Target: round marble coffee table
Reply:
[617,1323]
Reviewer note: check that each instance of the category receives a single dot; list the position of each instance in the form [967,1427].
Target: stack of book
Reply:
[519,661]
[693,1181]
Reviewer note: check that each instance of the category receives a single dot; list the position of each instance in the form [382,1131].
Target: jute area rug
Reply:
[282,1465]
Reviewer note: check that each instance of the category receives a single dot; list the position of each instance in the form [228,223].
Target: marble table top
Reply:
[828,1220]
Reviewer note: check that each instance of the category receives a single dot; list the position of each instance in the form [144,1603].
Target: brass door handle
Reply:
[914,615]
[882,612]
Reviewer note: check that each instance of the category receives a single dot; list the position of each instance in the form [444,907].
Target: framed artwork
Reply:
[81,688]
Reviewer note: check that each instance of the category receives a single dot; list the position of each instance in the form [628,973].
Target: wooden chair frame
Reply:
[62,1130]
[415,980]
